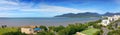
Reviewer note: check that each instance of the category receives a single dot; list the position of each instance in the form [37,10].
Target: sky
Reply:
[50,8]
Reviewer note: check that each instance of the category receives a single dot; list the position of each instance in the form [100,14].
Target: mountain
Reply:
[87,14]
[110,14]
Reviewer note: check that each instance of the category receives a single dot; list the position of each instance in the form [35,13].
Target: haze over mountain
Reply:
[87,14]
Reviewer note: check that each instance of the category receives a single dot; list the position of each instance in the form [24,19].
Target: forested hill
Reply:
[87,14]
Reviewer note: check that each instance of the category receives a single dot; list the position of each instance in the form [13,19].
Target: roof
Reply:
[37,29]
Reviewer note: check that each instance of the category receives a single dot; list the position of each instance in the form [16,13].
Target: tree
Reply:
[63,32]
[45,33]
[43,27]
[72,29]
[14,33]
[114,32]
[41,33]
[58,28]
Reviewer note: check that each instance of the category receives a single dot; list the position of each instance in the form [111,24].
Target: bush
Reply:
[45,33]
[43,27]
[72,29]
[14,33]
[114,32]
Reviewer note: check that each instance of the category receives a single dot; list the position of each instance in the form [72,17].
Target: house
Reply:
[27,30]
[30,30]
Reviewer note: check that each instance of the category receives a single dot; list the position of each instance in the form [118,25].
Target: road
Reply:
[105,31]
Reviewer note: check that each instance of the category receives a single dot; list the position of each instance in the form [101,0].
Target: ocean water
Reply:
[43,21]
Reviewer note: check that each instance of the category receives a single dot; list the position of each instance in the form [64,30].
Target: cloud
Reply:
[47,8]
[20,6]
[19,15]
[8,2]
[8,6]
[7,14]
[57,9]
[23,7]
[3,14]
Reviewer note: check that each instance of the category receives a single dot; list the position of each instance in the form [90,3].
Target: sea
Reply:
[46,21]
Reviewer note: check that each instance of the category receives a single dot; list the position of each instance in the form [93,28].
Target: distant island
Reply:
[87,14]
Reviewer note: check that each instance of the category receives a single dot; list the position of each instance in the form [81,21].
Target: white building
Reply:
[116,17]
[105,22]
[110,19]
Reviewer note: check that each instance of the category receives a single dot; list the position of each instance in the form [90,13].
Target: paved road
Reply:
[118,23]
[105,31]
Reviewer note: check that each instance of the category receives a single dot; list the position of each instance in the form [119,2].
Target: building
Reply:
[105,22]
[110,19]
[27,30]
[30,30]
[116,17]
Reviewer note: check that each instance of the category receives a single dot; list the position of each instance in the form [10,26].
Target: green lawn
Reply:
[90,31]
[5,30]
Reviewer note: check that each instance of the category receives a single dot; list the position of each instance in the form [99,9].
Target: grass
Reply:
[5,30]
[90,31]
